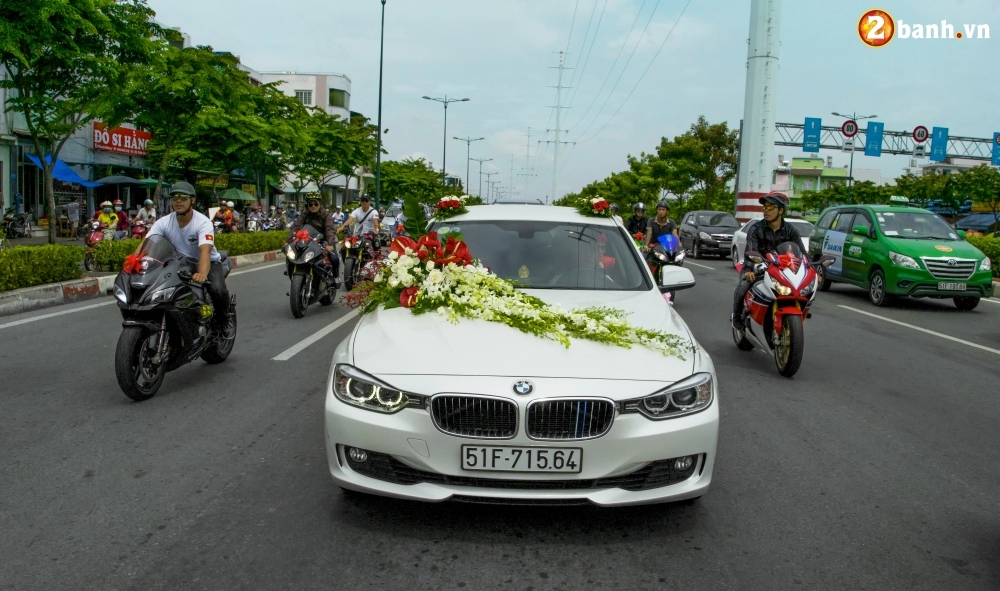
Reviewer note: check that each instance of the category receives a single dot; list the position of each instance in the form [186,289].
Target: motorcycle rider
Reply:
[638,222]
[763,236]
[191,233]
[661,225]
[107,216]
[365,216]
[338,216]
[146,213]
[318,217]
[614,213]
[224,215]
[254,216]
[123,226]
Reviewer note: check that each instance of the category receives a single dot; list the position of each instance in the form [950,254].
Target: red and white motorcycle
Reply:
[777,305]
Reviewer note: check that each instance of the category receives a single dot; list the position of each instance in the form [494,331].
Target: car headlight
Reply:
[309,256]
[704,236]
[123,297]
[355,387]
[985,265]
[688,396]
[901,260]
[160,295]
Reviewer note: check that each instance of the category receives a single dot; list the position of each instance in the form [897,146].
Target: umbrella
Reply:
[118,180]
[149,182]
[236,195]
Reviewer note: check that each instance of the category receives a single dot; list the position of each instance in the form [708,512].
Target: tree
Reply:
[703,159]
[411,178]
[69,62]
[982,185]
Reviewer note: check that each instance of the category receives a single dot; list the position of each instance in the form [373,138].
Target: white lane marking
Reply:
[54,314]
[256,268]
[991,300]
[702,266]
[937,334]
[301,345]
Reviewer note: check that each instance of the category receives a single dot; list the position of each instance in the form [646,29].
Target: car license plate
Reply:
[502,458]
[951,286]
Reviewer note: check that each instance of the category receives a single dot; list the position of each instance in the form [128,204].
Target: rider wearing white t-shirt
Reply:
[192,234]
[365,216]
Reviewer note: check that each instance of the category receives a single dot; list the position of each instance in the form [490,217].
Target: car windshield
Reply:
[554,255]
[717,220]
[916,226]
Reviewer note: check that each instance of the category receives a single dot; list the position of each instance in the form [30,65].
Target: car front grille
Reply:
[950,268]
[723,237]
[653,475]
[569,419]
[475,416]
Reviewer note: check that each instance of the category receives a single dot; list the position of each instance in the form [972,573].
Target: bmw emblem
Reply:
[524,387]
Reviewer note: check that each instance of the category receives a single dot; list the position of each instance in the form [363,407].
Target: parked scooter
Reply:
[16,225]
[312,270]
[778,304]
[167,319]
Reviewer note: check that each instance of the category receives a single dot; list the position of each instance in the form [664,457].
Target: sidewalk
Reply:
[94,285]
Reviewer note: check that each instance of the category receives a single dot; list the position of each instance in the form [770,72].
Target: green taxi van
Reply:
[898,250]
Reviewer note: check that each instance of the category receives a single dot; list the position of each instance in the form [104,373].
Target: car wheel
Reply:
[825,282]
[697,250]
[736,259]
[966,303]
[876,289]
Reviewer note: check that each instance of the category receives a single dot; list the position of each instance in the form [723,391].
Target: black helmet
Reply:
[777,198]
[182,188]
[614,208]
[639,207]
[663,203]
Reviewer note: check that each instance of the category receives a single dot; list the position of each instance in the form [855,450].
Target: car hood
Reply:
[397,342]
[934,248]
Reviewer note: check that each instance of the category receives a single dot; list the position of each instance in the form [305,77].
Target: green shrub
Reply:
[25,266]
[990,247]
[110,255]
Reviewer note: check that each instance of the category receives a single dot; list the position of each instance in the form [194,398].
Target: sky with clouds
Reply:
[642,69]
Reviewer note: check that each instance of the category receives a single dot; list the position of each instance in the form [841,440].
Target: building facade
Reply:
[330,92]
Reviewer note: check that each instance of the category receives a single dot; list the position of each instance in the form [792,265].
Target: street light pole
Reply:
[850,175]
[378,155]
[489,185]
[444,158]
[468,156]
[480,161]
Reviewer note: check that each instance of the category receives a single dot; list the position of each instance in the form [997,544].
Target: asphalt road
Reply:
[876,467]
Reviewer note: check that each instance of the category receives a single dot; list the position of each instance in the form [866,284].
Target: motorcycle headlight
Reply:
[901,260]
[662,257]
[289,252]
[309,256]
[704,236]
[777,287]
[809,289]
[679,256]
[357,388]
[160,295]
[985,265]
[120,295]
[688,396]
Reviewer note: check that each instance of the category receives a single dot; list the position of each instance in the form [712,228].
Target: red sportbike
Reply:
[778,304]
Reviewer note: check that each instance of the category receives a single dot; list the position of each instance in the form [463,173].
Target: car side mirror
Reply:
[961,234]
[754,257]
[860,231]
[676,279]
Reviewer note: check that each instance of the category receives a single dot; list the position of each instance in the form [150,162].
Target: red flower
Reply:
[408,298]
[601,206]
[401,243]
[637,236]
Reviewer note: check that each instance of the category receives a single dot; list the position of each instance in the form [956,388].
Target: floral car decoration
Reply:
[450,206]
[438,274]
[597,207]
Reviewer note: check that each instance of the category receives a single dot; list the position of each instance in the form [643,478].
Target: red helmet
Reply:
[256,207]
[118,202]
[777,198]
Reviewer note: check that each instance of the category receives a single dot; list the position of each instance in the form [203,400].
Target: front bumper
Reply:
[715,247]
[920,284]
[416,447]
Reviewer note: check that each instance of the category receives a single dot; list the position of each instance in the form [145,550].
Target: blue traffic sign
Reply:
[873,139]
[810,136]
[996,149]
[939,144]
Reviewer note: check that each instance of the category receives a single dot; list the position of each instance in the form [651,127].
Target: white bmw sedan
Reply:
[421,408]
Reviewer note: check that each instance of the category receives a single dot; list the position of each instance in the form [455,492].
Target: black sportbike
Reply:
[357,251]
[167,319]
[312,270]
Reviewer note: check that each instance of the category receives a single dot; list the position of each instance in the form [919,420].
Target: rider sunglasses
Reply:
[313,204]
[770,206]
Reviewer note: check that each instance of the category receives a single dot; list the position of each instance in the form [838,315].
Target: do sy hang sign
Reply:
[121,139]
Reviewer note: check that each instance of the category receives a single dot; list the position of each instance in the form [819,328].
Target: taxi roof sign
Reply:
[898,200]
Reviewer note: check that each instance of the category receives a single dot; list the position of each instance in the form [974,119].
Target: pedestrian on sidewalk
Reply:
[72,210]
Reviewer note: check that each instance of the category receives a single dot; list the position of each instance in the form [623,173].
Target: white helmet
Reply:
[229,203]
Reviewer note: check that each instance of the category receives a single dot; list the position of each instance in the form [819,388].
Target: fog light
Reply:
[682,464]
[357,455]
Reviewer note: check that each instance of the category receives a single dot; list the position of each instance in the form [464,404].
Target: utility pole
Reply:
[480,161]
[468,153]
[488,184]
[511,170]
[493,189]
[558,130]
[527,164]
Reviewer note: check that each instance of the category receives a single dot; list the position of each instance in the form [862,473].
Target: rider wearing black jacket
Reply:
[638,222]
[763,237]
[318,217]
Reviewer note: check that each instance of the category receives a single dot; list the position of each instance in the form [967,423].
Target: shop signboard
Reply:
[122,140]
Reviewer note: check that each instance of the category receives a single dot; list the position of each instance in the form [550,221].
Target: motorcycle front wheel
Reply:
[88,261]
[788,347]
[349,265]
[298,295]
[137,376]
